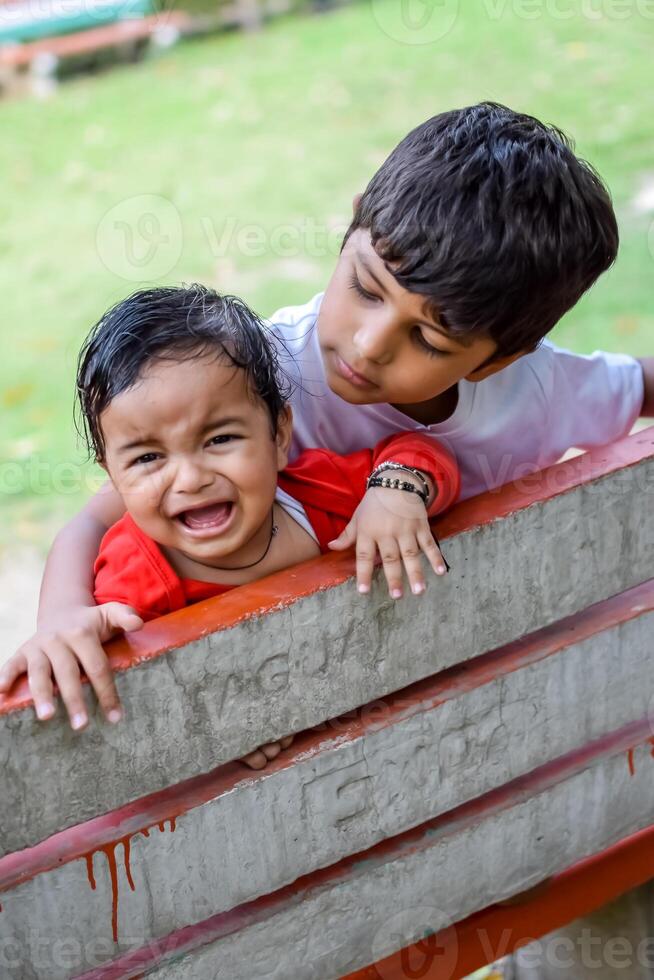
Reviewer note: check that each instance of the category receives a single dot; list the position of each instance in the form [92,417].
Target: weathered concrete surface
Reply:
[421,754]
[193,708]
[616,941]
[344,918]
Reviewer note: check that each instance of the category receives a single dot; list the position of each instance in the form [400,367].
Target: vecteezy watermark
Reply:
[305,237]
[416,21]
[429,21]
[140,239]
[42,477]
[425,945]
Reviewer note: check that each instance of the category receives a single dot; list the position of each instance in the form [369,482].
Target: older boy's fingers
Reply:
[118,617]
[286,741]
[392,562]
[39,676]
[366,553]
[412,558]
[12,669]
[271,750]
[98,670]
[432,551]
[67,675]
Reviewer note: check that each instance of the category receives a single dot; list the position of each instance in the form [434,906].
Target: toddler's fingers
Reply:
[286,741]
[412,558]
[389,550]
[39,675]
[365,562]
[14,667]
[98,670]
[345,539]
[432,551]
[271,749]
[67,675]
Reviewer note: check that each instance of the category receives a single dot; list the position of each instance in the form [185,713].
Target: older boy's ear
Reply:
[284,435]
[493,365]
[355,202]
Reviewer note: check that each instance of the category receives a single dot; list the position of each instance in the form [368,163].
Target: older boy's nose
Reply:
[373,341]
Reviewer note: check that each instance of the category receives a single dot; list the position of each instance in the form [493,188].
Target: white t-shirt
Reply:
[521,419]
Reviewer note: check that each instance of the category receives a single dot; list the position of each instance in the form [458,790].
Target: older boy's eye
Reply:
[429,348]
[358,288]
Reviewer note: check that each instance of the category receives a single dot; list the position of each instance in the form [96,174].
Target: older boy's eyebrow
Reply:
[364,262]
[152,440]
[460,341]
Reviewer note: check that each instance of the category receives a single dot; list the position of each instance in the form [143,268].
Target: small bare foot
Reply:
[260,758]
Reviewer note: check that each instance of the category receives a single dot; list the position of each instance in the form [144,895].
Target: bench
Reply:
[452,750]
[41,59]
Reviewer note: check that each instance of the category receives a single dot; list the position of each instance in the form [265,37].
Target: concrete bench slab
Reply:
[347,785]
[210,683]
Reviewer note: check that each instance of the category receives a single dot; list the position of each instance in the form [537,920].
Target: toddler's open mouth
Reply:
[208,519]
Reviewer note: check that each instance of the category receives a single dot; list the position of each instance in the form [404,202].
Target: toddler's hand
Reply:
[395,523]
[59,647]
[260,758]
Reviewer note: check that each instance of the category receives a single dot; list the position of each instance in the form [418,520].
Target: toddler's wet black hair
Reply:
[177,323]
[490,215]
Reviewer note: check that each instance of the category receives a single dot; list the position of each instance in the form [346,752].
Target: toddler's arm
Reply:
[395,523]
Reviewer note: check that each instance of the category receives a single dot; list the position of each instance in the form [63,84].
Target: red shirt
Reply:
[131,568]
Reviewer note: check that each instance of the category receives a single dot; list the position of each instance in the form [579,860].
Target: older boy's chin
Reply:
[350,393]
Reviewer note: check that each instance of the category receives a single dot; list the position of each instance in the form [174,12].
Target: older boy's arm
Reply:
[71,628]
[647,364]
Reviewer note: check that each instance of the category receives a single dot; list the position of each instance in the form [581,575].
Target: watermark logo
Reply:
[424,947]
[416,21]
[140,239]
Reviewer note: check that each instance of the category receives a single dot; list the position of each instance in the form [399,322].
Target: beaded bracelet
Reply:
[374,480]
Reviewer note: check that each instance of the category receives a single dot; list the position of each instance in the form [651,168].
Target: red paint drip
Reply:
[109,850]
[630,760]
[89,869]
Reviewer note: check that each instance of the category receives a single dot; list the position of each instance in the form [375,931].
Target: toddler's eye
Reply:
[221,440]
[145,458]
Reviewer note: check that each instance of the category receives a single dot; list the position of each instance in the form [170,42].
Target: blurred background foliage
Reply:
[253,144]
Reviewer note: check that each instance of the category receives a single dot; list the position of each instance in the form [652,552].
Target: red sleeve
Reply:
[427,454]
[330,487]
[130,568]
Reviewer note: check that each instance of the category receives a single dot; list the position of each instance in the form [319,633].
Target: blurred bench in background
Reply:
[453,750]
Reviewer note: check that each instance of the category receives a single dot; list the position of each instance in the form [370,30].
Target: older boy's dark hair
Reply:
[490,215]
[172,323]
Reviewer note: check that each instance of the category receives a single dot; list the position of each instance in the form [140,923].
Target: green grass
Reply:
[272,130]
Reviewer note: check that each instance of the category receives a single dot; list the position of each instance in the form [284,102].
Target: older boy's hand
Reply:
[57,650]
[395,523]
